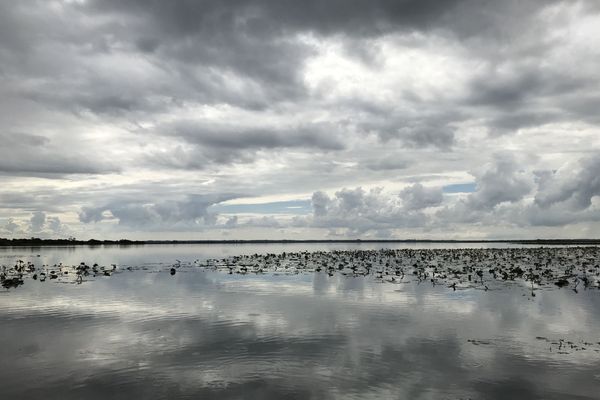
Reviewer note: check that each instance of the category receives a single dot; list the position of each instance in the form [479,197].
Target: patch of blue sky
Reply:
[460,188]
[279,207]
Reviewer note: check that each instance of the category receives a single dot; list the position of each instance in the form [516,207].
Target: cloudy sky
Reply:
[286,119]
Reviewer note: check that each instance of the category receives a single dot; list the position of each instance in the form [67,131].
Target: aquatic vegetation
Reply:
[484,269]
[542,267]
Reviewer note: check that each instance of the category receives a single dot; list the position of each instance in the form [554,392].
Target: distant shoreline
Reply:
[34,242]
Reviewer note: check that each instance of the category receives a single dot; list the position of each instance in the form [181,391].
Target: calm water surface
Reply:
[205,334]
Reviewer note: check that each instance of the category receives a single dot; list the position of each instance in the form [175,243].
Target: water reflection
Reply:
[204,334]
[153,254]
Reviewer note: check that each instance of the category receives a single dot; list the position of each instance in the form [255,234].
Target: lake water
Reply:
[147,334]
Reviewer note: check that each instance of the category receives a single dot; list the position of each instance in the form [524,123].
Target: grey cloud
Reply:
[93,72]
[189,213]
[54,224]
[320,136]
[11,226]
[200,52]
[500,182]
[38,221]
[320,201]
[34,155]
[427,124]
[30,201]
[560,198]
[91,214]
[197,157]
[40,224]
[231,222]
[507,89]
[424,135]
[147,44]
[231,41]
[388,163]
[264,17]
[577,184]
[552,216]
[523,96]
[246,41]
[359,211]
[417,197]
[205,144]
[583,104]
[263,222]
[511,122]
[260,18]
[102,98]
[93,201]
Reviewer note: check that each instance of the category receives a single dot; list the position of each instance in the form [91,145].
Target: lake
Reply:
[146,333]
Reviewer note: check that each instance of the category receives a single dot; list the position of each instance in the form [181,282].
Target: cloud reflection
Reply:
[210,335]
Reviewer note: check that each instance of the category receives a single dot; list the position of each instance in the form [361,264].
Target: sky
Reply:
[319,119]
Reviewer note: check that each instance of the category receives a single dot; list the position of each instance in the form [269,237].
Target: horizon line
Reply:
[39,241]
